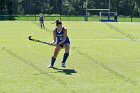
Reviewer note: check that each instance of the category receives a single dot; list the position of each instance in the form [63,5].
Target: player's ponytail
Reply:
[59,23]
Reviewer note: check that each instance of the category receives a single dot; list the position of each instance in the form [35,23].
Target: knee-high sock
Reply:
[65,57]
[53,61]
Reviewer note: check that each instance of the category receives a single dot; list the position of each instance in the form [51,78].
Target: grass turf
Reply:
[68,18]
[79,18]
[102,59]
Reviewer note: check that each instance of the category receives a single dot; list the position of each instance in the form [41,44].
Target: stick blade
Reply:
[30,37]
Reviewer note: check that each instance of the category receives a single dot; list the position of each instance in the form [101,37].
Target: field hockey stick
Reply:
[35,40]
[52,22]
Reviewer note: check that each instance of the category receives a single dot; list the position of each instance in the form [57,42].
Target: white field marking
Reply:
[130,22]
[101,39]
[121,22]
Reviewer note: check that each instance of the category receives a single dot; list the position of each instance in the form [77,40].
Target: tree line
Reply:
[67,7]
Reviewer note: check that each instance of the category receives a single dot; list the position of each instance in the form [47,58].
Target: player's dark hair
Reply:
[59,23]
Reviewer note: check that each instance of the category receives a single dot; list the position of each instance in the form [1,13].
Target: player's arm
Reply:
[39,18]
[64,37]
[44,18]
[54,38]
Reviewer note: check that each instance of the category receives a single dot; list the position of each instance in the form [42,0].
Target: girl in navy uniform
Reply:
[61,40]
[42,21]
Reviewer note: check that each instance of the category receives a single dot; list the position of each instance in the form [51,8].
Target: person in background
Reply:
[42,19]
[116,17]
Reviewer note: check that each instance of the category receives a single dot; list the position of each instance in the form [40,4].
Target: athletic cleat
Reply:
[50,66]
[63,65]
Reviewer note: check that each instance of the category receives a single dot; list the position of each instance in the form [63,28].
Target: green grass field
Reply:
[104,58]
[78,18]
[69,18]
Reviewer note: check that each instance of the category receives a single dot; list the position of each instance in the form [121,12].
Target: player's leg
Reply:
[66,54]
[43,25]
[57,50]
[40,24]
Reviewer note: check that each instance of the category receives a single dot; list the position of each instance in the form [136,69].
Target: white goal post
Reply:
[96,9]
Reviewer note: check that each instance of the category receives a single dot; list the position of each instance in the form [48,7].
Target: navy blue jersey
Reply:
[59,36]
[41,18]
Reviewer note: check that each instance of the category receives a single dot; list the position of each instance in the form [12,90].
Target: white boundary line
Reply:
[100,39]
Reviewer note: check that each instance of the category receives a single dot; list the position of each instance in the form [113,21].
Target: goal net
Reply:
[102,9]
[108,16]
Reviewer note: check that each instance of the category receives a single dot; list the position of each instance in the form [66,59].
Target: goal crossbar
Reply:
[99,9]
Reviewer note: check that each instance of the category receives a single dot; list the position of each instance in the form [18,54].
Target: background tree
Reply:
[69,7]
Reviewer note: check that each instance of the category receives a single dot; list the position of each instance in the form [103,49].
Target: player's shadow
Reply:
[66,71]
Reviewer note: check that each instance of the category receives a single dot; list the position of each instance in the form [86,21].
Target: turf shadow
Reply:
[66,71]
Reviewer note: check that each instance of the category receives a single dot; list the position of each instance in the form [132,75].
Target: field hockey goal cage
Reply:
[108,16]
